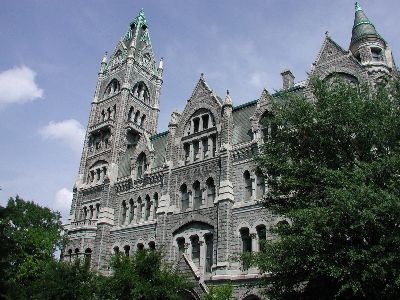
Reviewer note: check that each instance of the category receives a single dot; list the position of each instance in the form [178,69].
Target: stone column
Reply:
[202,262]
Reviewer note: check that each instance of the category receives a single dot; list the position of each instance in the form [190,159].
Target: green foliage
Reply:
[29,235]
[334,170]
[67,281]
[222,292]
[144,276]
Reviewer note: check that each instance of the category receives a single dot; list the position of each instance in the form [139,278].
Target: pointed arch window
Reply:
[260,181]
[197,195]
[155,205]
[209,252]
[248,191]
[184,197]
[195,250]
[141,92]
[246,240]
[141,165]
[148,208]
[112,88]
[210,191]
[262,236]
[124,213]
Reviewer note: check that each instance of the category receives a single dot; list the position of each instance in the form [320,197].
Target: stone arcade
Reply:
[193,189]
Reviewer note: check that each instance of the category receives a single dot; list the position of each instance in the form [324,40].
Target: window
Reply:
[136,119]
[210,191]
[186,148]
[131,210]
[139,209]
[262,236]
[155,200]
[141,165]
[195,250]
[85,213]
[112,88]
[124,211]
[148,208]
[116,250]
[196,123]
[196,155]
[142,120]
[376,54]
[205,147]
[260,184]
[209,252]
[127,248]
[214,145]
[140,246]
[184,197]
[88,255]
[246,240]
[181,245]
[141,92]
[130,114]
[76,251]
[197,195]
[152,245]
[247,186]
[205,119]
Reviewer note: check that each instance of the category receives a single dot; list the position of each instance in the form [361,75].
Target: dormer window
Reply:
[376,54]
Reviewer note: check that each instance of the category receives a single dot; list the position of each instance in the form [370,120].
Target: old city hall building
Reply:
[193,190]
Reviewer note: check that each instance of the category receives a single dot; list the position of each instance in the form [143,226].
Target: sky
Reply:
[51,52]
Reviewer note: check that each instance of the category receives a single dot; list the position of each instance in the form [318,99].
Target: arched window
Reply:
[246,239]
[124,209]
[148,208]
[116,250]
[131,210]
[141,165]
[103,116]
[140,246]
[152,245]
[141,92]
[127,248]
[262,236]
[210,191]
[197,195]
[248,191]
[184,197]
[139,209]
[91,212]
[181,245]
[77,251]
[85,213]
[209,252]
[97,210]
[195,249]
[130,114]
[142,119]
[260,184]
[155,200]
[88,255]
[112,88]
[136,119]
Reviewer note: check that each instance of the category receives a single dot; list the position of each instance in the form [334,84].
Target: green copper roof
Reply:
[362,26]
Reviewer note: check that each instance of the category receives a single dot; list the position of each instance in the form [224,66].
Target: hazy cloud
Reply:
[70,132]
[17,85]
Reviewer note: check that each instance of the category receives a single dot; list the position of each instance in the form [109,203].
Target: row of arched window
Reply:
[76,253]
[196,150]
[99,141]
[197,196]
[254,185]
[112,89]
[253,241]
[198,248]
[97,173]
[90,212]
[139,211]
[141,92]
[139,246]
[109,113]
[136,117]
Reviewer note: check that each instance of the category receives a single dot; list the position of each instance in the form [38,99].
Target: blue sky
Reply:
[51,51]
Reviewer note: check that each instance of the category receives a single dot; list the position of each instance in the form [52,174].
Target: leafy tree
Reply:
[333,168]
[67,281]
[144,276]
[222,292]
[29,235]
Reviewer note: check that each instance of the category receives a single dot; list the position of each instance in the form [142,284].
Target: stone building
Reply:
[193,190]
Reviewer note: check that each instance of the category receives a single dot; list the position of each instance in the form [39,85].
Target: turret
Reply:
[368,46]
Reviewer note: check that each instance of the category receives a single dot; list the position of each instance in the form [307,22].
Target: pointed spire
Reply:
[104,60]
[161,64]
[228,99]
[362,26]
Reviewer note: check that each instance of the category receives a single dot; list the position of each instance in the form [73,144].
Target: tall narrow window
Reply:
[260,184]
[124,210]
[196,123]
[148,208]
[196,150]
[262,236]
[131,210]
[205,147]
[142,120]
[85,212]
[197,195]
[209,252]
[152,245]
[139,209]
[195,250]
[246,240]
[130,114]
[181,245]
[205,119]
[141,165]
[127,248]
[214,145]
[210,192]
[155,205]
[116,250]
[136,119]
[88,256]
[186,148]
[247,186]
[184,197]
[140,246]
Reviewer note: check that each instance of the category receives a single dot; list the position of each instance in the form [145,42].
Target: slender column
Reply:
[202,262]
[254,242]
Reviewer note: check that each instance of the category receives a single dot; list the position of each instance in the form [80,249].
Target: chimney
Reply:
[288,79]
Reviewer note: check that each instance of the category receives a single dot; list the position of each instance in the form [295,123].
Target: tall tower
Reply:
[124,114]
[369,48]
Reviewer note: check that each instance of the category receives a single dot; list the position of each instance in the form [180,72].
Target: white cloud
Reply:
[17,85]
[70,132]
[62,202]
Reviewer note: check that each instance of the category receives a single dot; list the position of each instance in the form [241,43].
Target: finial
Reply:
[227,92]
[327,33]
[104,60]
[358,6]
[202,76]
[228,99]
